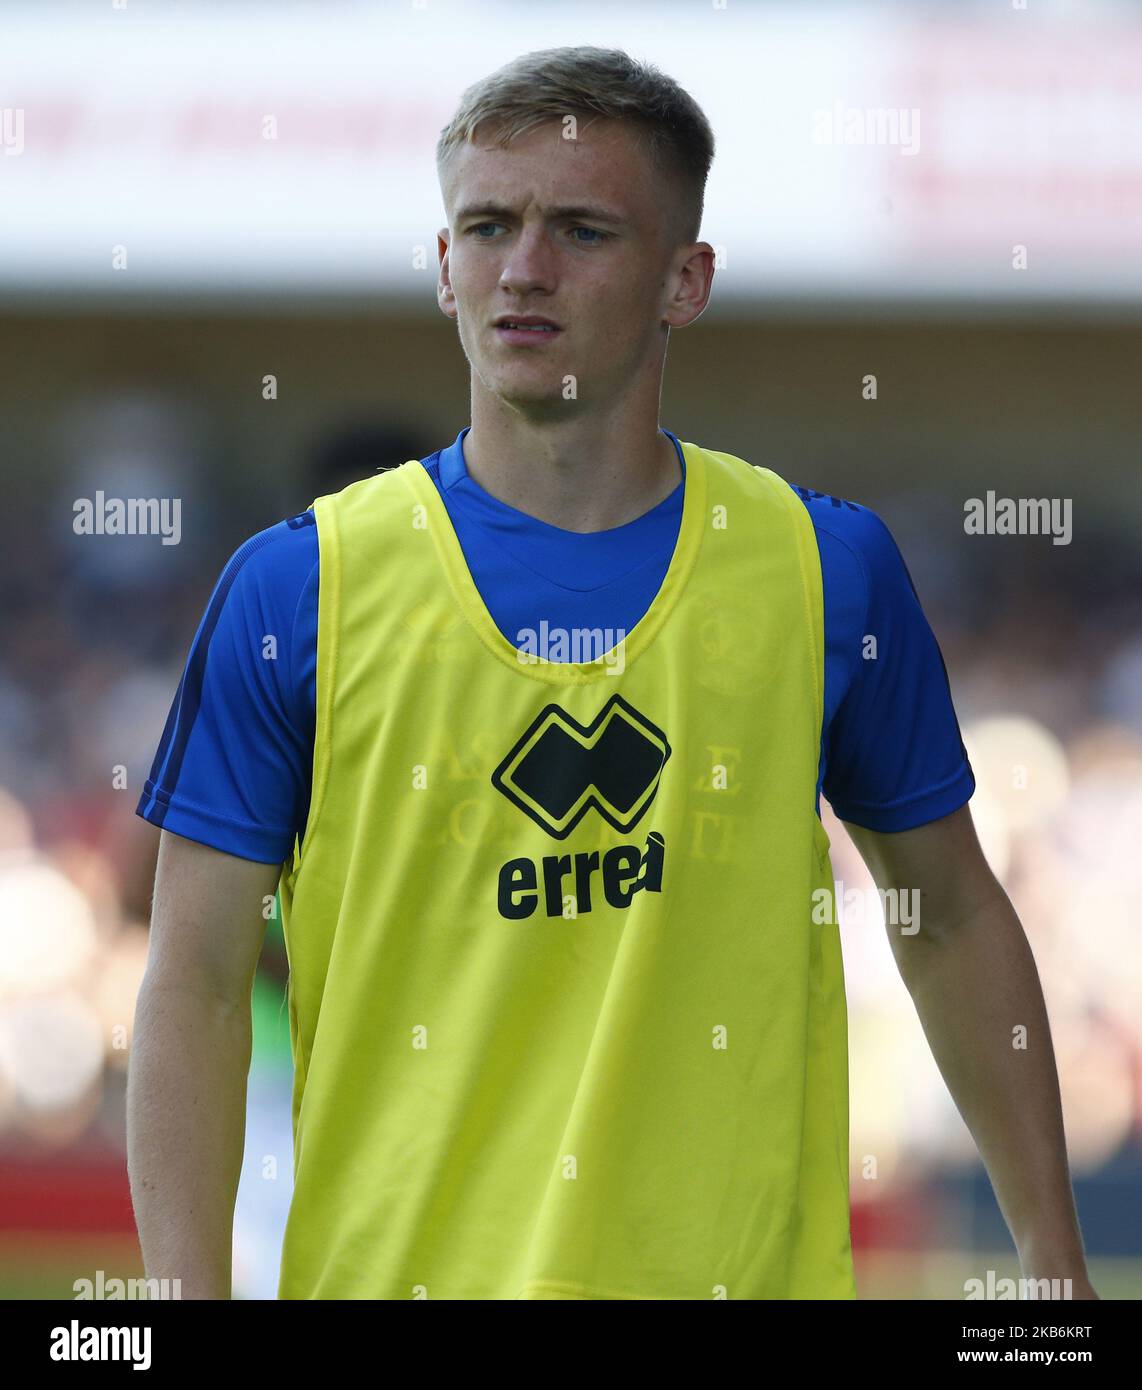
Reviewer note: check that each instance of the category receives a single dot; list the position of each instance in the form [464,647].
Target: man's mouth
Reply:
[529,326]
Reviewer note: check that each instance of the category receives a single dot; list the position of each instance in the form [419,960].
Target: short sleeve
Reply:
[894,756]
[233,767]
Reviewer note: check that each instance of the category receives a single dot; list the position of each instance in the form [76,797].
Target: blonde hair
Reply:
[600,83]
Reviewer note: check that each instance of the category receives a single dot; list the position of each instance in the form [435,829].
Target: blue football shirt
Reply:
[233,766]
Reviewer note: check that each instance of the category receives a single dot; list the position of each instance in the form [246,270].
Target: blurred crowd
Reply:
[1045,661]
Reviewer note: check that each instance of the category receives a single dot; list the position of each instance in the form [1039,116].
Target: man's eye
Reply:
[593,238]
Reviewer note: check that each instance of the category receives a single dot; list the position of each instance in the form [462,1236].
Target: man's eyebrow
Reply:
[579,212]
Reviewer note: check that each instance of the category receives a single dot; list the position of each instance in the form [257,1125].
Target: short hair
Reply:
[598,83]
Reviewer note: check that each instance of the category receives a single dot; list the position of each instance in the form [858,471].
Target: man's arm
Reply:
[190,1056]
[972,977]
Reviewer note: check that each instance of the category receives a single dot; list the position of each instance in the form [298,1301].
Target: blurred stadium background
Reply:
[198,197]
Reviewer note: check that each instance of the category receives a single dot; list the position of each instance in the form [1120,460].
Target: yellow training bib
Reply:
[563,1024]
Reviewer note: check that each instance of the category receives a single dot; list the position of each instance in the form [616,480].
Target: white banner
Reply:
[863,152]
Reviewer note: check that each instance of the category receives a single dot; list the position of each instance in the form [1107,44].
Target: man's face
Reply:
[516,246]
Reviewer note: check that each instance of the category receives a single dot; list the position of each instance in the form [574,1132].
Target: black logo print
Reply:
[560,768]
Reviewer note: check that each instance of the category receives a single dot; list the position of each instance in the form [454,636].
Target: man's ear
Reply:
[444,296]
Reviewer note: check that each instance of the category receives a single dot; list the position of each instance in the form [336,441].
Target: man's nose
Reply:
[530,262]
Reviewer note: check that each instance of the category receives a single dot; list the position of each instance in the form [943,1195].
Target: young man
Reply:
[565,1021]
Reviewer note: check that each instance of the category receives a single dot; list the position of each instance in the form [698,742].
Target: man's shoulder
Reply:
[286,544]
[861,564]
[378,501]
[853,525]
[271,568]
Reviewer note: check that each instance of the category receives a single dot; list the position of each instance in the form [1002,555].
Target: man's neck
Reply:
[580,476]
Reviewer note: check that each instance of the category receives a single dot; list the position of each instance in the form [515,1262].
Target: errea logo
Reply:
[556,772]
[558,769]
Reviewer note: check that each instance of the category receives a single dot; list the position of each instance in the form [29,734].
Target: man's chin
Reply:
[530,396]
